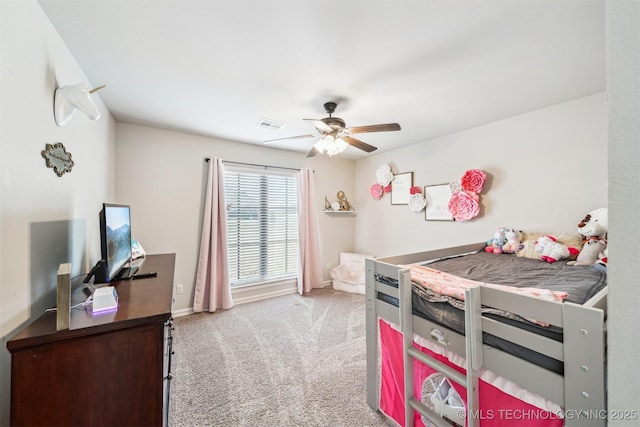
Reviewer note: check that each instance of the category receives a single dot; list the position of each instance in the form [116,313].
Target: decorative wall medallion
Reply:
[57,158]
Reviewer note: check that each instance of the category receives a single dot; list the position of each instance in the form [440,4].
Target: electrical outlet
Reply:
[179,288]
[328,266]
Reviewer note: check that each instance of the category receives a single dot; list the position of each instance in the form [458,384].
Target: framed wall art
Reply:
[437,197]
[400,186]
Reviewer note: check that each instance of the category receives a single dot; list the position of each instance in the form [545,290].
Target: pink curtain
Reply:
[212,277]
[310,271]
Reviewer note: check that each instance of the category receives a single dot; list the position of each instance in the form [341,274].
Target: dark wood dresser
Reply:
[107,369]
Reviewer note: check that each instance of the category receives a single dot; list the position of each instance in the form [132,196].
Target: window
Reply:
[262,224]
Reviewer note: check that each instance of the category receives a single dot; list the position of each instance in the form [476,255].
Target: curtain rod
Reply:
[254,164]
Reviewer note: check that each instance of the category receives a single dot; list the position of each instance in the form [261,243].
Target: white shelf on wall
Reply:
[340,213]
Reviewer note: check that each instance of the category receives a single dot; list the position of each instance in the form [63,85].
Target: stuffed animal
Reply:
[552,251]
[601,263]
[513,244]
[595,224]
[591,252]
[495,244]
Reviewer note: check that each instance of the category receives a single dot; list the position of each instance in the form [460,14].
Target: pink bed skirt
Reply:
[497,408]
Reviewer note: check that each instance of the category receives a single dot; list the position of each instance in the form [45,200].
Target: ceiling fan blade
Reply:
[289,137]
[359,144]
[312,152]
[374,128]
[320,125]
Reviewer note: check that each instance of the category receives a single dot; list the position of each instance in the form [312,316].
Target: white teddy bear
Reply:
[595,224]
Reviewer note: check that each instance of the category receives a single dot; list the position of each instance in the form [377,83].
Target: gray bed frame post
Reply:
[406,326]
[584,365]
[474,353]
[373,398]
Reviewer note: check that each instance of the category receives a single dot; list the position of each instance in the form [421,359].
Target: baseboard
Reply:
[245,294]
[183,312]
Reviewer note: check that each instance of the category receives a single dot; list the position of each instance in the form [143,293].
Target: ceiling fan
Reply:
[335,137]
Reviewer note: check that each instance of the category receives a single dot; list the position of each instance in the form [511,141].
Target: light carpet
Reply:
[286,361]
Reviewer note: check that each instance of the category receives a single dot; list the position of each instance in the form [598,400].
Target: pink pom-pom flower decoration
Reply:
[464,205]
[415,190]
[376,191]
[473,180]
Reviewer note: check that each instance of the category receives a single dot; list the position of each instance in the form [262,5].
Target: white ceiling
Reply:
[216,67]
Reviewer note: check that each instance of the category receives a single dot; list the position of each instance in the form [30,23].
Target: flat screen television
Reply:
[115,240]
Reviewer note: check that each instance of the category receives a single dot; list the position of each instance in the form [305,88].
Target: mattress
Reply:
[579,282]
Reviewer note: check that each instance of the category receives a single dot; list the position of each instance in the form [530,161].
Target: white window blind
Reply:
[262,224]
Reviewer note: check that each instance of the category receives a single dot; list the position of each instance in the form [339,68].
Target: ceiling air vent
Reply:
[270,124]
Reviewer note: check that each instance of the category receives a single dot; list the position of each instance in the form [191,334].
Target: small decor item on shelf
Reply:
[344,203]
[57,158]
[327,204]
[341,205]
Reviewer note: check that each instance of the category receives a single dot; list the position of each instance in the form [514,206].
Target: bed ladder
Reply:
[473,356]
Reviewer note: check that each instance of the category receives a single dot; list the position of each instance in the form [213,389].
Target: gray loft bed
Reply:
[580,384]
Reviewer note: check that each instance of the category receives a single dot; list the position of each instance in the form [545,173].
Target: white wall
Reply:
[161,174]
[623,87]
[546,169]
[34,60]
[45,220]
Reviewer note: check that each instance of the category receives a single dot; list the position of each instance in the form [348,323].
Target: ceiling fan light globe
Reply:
[319,146]
[333,145]
[341,145]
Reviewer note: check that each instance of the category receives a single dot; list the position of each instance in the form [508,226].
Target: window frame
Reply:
[265,214]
